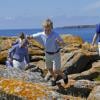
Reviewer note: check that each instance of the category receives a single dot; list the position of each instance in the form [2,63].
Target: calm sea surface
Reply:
[85,33]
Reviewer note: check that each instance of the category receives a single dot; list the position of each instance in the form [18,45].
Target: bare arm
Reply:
[30,37]
[34,36]
[94,38]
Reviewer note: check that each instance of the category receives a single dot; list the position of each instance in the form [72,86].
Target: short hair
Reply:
[22,35]
[48,23]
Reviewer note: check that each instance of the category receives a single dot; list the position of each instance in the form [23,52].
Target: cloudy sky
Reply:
[30,13]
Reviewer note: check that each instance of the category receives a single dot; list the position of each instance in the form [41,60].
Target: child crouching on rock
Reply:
[23,46]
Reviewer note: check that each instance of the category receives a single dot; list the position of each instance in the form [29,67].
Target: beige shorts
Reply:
[53,61]
[99,47]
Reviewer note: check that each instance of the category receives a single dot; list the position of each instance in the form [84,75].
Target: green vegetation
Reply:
[1,39]
[97,79]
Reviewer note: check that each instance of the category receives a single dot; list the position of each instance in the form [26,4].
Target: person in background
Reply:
[97,35]
[17,54]
[22,37]
[51,41]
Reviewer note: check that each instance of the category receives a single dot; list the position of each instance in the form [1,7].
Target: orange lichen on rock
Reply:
[31,91]
[72,39]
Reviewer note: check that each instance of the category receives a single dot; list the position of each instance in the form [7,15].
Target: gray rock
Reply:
[79,61]
[95,94]
[84,84]
[21,75]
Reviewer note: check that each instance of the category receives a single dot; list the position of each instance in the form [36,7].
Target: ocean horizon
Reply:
[85,33]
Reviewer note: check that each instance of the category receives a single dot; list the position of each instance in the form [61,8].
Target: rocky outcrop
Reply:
[3,56]
[72,39]
[95,94]
[79,61]
[90,74]
[86,84]
[26,85]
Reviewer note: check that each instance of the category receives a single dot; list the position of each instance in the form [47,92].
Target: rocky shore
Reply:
[79,62]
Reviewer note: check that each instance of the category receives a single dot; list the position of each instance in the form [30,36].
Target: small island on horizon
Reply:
[78,26]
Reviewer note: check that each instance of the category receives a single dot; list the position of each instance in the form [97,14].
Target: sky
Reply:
[15,14]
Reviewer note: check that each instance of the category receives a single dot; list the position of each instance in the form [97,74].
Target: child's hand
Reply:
[58,41]
[10,59]
[29,37]
[61,43]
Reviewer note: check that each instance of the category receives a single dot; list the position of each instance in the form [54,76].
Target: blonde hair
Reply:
[48,23]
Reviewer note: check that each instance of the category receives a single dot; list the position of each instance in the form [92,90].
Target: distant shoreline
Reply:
[71,26]
[79,26]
